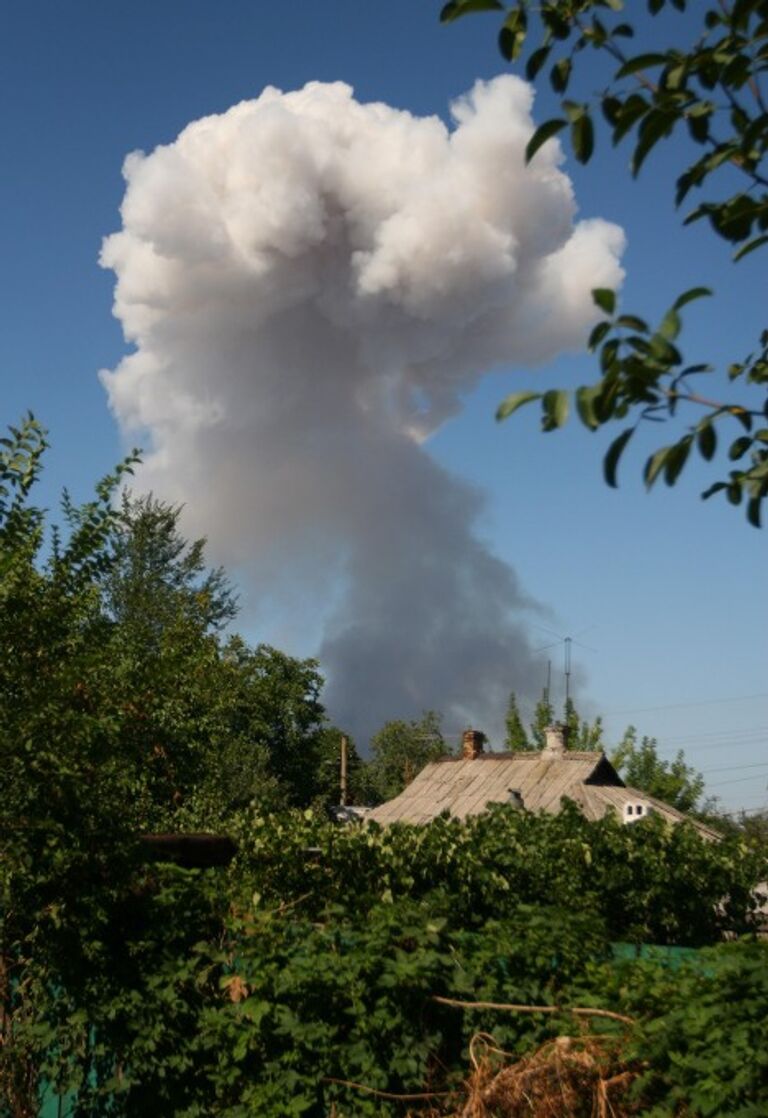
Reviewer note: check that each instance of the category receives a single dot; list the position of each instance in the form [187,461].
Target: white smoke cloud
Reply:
[311,285]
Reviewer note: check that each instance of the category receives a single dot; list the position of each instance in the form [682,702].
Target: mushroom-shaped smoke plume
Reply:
[311,285]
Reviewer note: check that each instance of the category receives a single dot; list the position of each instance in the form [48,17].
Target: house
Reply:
[539,781]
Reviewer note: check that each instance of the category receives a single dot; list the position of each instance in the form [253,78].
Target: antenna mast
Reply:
[567,643]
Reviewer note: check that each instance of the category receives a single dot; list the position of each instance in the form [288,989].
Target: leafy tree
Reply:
[674,782]
[121,710]
[400,750]
[516,737]
[274,708]
[543,716]
[116,684]
[155,574]
[581,734]
[712,92]
[754,828]
[73,787]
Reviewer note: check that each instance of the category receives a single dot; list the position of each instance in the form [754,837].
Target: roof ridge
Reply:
[527,755]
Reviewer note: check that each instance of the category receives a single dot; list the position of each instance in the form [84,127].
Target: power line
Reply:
[735,732]
[724,744]
[738,780]
[698,703]
[743,811]
[736,768]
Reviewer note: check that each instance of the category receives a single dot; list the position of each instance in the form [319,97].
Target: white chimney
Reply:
[554,737]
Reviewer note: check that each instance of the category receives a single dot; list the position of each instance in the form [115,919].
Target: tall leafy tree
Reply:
[543,716]
[115,673]
[400,750]
[640,766]
[155,574]
[580,733]
[274,708]
[516,738]
[707,85]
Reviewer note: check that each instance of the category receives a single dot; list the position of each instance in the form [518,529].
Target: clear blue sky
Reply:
[667,592]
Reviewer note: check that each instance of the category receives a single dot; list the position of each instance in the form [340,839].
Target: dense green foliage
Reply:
[711,94]
[318,955]
[707,1050]
[132,987]
[647,883]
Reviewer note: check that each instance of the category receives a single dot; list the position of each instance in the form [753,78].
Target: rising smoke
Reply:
[311,285]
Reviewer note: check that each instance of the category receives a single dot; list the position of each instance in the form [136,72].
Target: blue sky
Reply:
[665,593]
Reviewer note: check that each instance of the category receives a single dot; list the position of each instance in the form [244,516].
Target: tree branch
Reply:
[578,1011]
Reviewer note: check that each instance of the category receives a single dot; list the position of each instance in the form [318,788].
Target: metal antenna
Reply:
[567,643]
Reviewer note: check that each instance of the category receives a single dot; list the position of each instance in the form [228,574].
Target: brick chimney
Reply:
[472,744]
[554,737]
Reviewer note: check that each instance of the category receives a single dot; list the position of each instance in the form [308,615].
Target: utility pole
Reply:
[343,771]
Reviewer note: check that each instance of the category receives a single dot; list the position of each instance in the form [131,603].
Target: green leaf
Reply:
[455,9]
[614,453]
[573,110]
[670,324]
[597,335]
[716,488]
[585,398]
[511,42]
[706,440]
[742,416]
[664,352]
[750,246]
[516,400]
[583,138]
[641,62]
[555,406]
[676,459]
[654,465]
[631,111]
[689,295]
[543,133]
[754,506]
[604,298]
[656,124]
[739,447]
[536,61]
[560,75]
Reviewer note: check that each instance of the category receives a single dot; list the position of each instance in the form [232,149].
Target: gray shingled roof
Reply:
[466,786]
[596,799]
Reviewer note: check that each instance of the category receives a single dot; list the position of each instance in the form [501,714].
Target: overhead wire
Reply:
[697,703]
